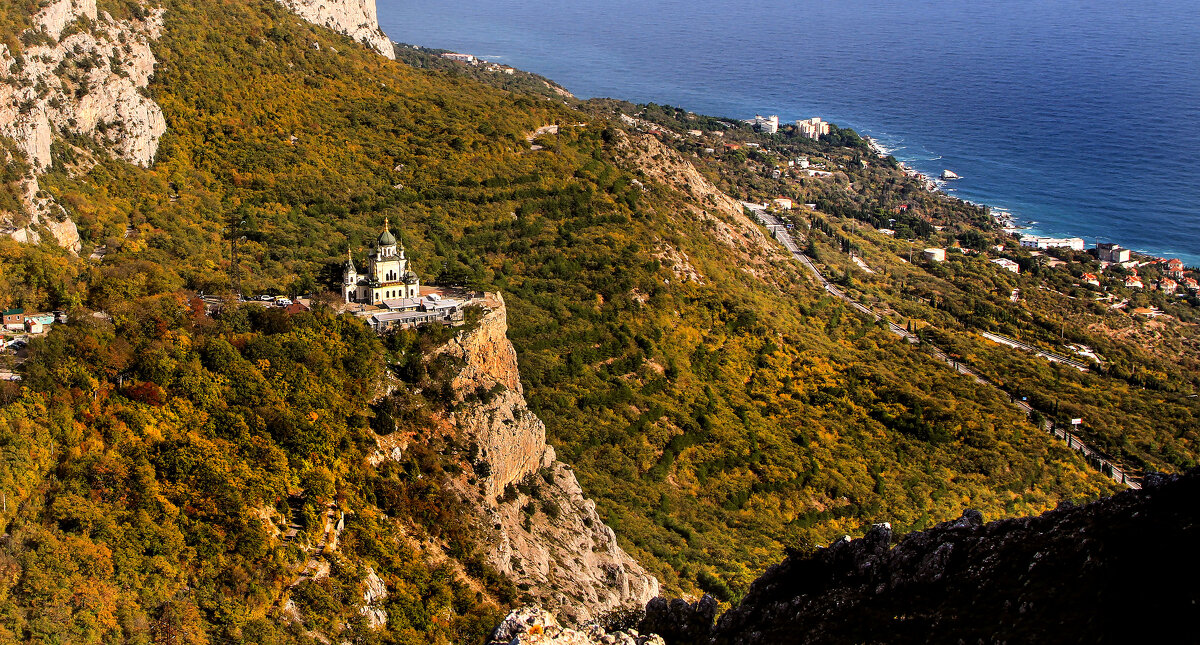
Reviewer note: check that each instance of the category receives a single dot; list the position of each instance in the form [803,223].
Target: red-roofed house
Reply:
[1090,278]
[1167,285]
[1175,268]
[1133,282]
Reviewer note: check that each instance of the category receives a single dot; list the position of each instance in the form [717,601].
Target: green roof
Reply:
[14,312]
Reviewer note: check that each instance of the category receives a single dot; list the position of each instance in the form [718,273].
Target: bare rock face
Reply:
[552,539]
[357,19]
[84,74]
[374,593]
[510,438]
[529,625]
[546,535]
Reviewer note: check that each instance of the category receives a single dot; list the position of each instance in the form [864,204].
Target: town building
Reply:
[412,312]
[782,203]
[1111,252]
[1090,278]
[1175,268]
[766,124]
[14,319]
[1190,284]
[460,58]
[935,255]
[1167,285]
[1133,282]
[1007,264]
[387,276]
[1038,242]
[813,128]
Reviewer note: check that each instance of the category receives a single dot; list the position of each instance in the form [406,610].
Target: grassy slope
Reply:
[780,419]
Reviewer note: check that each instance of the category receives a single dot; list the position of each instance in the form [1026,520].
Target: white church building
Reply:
[387,275]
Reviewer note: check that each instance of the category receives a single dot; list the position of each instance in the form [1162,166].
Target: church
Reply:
[387,276]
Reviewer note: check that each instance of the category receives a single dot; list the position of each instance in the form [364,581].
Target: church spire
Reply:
[386,238]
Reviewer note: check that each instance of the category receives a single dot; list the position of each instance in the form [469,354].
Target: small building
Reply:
[1007,264]
[296,308]
[1175,268]
[14,319]
[411,312]
[935,255]
[1111,252]
[34,326]
[782,203]
[1190,284]
[1133,282]
[1167,285]
[1090,278]
[459,58]
[888,232]
[1039,242]
[695,133]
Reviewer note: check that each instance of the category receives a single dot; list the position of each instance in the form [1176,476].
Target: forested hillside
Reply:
[719,406]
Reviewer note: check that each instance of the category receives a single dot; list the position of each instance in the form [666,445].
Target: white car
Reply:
[283,302]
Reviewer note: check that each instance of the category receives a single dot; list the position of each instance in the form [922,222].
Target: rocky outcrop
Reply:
[544,533]
[1120,569]
[84,74]
[723,214]
[357,19]
[510,438]
[374,593]
[530,625]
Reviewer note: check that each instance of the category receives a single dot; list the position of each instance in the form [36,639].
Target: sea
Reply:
[1078,117]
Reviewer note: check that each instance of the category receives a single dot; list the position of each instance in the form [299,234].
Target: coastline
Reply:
[1010,223]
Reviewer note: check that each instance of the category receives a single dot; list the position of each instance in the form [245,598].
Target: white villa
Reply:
[387,277]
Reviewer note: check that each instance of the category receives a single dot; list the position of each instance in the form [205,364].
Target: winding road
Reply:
[1093,456]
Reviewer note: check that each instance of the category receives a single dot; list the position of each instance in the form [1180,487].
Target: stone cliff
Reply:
[357,19]
[543,532]
[83,73]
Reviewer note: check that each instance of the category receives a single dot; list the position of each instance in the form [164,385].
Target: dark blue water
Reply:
[1081,116]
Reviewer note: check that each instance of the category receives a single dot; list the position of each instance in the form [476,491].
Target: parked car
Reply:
[283,302]
[266,297]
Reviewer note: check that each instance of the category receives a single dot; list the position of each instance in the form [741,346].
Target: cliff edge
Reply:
[84,73]
[544,533]
[357,19]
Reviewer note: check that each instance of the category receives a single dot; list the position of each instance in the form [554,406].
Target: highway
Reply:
[1093,456]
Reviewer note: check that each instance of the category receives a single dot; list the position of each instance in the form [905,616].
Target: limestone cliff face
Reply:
[357,19]
[545,534]
[510,438]
[84,74]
